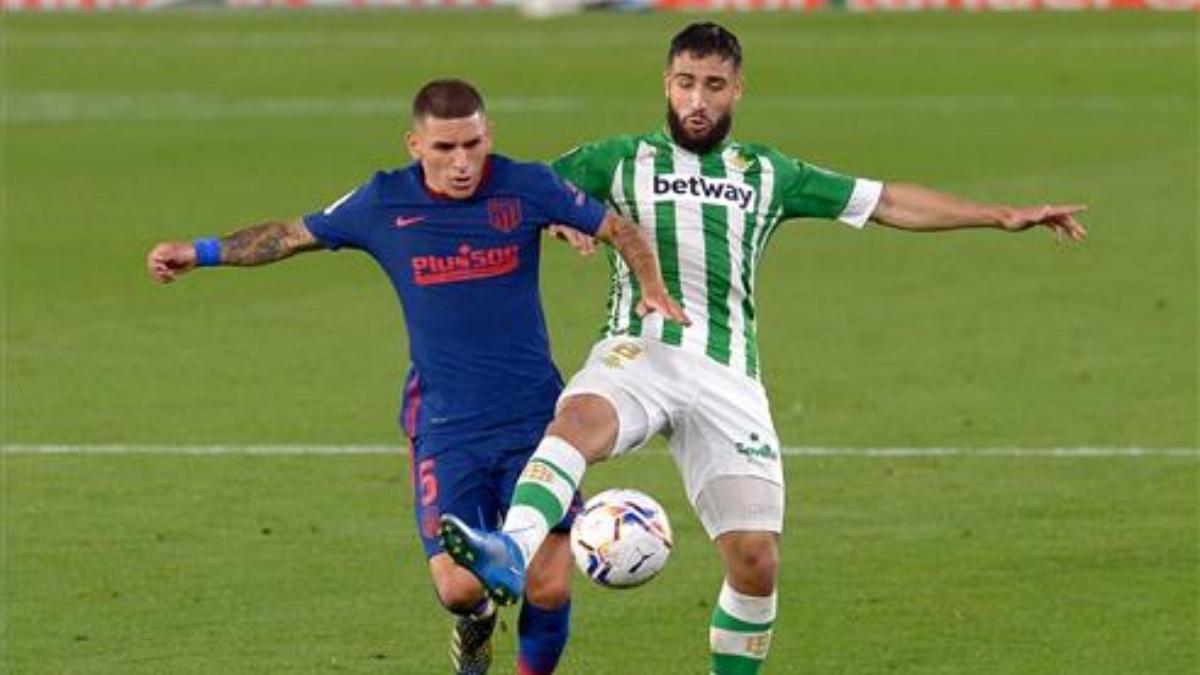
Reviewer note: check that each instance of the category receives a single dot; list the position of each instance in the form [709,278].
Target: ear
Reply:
[738,84]
[413,142]
[667,83]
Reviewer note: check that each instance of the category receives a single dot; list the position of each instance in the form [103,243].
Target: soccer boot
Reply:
[493,557]
[471,644]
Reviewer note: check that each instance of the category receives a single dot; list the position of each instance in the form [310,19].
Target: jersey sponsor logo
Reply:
[466,265]
[705,189]
[402,221]
[504,213]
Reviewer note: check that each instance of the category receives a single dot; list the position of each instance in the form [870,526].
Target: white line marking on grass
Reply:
[71,106]
[75,107]
[296,450]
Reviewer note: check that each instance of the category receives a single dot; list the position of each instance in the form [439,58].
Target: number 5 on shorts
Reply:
[427,483]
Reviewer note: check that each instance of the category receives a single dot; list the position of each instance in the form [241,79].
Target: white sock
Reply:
[543,493]
[739,635]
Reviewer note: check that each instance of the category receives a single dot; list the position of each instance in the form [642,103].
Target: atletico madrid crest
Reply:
[504,213]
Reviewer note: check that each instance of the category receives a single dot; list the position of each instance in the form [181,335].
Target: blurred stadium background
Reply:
[994,438]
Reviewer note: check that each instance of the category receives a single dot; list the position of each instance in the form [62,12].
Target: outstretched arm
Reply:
[255,245]
[915,208]
[634,249]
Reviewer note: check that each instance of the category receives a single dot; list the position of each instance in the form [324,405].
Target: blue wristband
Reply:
[208,252]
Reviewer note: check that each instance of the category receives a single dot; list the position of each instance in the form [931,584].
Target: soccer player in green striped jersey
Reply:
[710,205]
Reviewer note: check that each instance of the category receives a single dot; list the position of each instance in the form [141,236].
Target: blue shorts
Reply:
[475,486]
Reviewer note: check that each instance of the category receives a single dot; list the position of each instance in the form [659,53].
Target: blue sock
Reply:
[543,637]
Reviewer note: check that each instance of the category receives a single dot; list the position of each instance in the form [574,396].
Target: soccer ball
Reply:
[621,538]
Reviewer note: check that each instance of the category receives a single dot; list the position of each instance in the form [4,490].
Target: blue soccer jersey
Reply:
[466,273]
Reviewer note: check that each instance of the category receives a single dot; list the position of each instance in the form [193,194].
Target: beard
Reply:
[698,144]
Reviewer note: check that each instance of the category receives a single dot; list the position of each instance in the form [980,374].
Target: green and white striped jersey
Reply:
[710,217]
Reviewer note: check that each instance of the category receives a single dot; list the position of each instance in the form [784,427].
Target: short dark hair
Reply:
[705,39]
[447,99]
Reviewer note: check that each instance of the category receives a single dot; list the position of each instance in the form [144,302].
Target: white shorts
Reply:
[717,420]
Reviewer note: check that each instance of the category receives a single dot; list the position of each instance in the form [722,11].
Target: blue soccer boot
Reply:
[493,557]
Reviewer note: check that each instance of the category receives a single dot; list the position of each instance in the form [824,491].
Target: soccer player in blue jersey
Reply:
[458,232]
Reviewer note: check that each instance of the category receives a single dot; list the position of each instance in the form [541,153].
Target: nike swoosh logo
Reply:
[401,221]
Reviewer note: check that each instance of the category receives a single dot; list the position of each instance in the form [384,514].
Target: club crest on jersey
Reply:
[704,189]
[504,213]
[738,160]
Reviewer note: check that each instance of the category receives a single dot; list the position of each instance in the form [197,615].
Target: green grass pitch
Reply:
[121,130]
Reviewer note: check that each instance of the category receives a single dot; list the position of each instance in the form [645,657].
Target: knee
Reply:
[458,590]
[548,591]
[753,562]
[589,423]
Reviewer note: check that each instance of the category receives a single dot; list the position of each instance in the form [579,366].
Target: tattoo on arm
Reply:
[266,243]
[632,245]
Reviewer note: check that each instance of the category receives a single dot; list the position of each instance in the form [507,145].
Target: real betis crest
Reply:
[738,160]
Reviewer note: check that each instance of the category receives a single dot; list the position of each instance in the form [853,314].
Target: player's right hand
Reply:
[579,241]
[169,260]
[658,300]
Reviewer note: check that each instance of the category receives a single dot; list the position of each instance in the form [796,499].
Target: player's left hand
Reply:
[1060,219]
[579,241]
[658,300]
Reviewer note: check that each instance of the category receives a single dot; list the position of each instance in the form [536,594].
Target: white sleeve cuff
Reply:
[862,202]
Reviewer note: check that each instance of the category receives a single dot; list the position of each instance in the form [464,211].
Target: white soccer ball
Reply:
[621,539]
